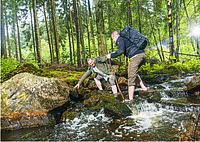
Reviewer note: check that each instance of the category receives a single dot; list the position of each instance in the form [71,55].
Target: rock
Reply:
[26,100]
[117,110]
[106,100]
[193,86]
[155,78]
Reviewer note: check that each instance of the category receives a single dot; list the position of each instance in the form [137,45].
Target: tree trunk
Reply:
[140,29]
[55,31]
[68,29]
[155,40]
[8,41]
[163,56]
[19,44]
[171,41]
[77,33]
[2,45]
[109,23]
[14,36]
[51,29]
[92,32]
[48,35]
[197,38]
[188,19]
[37,35]
[129,13]
[81,35]
[72,31]
[178,30]
[102,47]
[33,35]
[88,32]
[3,41]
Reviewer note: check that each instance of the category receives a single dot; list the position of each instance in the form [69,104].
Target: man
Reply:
[100,70]
[136,57]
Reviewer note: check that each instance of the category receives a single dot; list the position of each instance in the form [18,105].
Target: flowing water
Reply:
[149,121]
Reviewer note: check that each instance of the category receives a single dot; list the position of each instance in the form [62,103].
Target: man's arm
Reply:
[88,73]
[121,49]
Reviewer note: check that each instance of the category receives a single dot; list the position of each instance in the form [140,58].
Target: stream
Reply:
[150,121]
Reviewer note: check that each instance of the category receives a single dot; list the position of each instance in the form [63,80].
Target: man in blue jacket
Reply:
[136,54]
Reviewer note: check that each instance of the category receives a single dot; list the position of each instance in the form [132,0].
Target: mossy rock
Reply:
[117,110]
[25,67]
[98,99]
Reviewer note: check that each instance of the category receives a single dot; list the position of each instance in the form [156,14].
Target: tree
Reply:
[72,32]
[129,12]
[91,28]
[18,33]
[48,34]
[77,32]
[171,41]
[37,35]
[8,40]
[55,31]
[178,31]
[81,35]
[102,47]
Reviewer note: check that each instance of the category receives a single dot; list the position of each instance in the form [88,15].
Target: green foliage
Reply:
[188,66]
[7,65]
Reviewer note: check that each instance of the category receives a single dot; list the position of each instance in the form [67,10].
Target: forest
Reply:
[64,31]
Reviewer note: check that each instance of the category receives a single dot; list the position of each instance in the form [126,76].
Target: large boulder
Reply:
[26,100]
[193,86]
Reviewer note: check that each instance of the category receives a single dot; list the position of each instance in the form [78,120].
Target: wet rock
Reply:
[78,95]
[106,100]
[155,78]
[151,95]
[26,100]
[117,110]
[193,86]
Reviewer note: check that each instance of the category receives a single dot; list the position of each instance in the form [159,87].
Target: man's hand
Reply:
[108,56]
[77,86]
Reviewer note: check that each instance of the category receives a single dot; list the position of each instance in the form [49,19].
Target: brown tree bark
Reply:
[102,47]
[37,35]
[55,31]
[72,31]
[140,29]
[92,32]
[155,40]
[129,12]
[48,35]
[88,32]
[188,18]
[19,44]
[109,24]
[178,31]
[77,33]
[81,35]
[3,37]
[197,38]
[35,55]
[8,40]
[68,29]
[171,40]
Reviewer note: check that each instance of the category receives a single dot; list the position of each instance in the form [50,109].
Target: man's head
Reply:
[115,34]
[91,62]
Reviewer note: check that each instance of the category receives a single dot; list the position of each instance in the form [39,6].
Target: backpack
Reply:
[134,36]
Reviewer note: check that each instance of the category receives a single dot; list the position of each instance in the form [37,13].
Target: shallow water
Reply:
[149,121]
